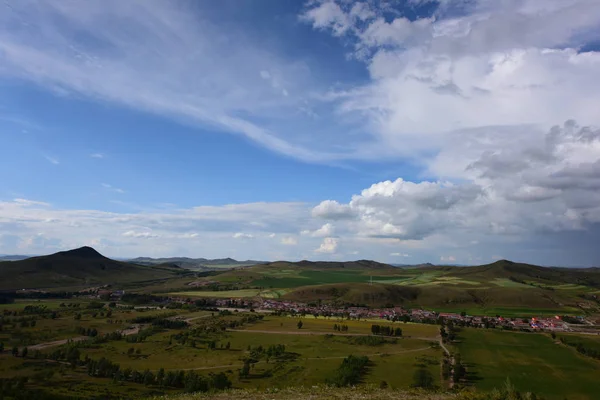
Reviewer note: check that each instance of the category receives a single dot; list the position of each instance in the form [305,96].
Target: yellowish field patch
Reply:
[220,294]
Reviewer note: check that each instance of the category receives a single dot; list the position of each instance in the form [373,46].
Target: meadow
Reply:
[533,362]
[312,354]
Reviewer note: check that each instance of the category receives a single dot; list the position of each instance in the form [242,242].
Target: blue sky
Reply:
[402,131]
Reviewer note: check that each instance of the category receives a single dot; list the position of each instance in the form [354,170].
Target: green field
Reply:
[325,325]
[532,362]
[313,353]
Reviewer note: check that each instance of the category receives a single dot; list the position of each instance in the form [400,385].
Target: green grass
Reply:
[533,362]
[294,279]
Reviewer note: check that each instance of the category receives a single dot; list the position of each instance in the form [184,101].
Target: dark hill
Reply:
[76,268]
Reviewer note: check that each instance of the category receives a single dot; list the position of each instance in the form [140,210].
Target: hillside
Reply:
[505,269]
[499,284]
[347,393]
[76,268]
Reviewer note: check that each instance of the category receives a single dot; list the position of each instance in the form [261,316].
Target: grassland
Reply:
[532,362]
[311,356]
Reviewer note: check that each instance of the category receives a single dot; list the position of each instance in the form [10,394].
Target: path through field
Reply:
[42,346]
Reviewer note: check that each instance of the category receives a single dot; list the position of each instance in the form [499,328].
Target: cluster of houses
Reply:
[415,315]
[391,314]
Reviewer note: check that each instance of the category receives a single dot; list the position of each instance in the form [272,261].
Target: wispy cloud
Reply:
[97,155]
[52,160]
[112,188]
[123,52]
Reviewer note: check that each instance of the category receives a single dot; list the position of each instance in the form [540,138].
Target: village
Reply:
[557,323]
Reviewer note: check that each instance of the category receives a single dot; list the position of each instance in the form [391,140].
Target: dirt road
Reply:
[42,346]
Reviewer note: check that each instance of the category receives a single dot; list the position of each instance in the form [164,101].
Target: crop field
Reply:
[244,293]
[325,325]
[293,279]
[532,362]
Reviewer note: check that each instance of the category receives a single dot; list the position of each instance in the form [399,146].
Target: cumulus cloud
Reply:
[331,209]
[491,65]
[323,231]
[329,245]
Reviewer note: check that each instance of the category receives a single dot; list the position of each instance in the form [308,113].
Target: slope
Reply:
[76,268]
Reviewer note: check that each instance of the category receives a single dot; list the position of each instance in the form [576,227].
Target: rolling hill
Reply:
[500,284]
[77,268]
[195,263]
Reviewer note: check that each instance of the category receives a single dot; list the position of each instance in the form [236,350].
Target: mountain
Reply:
[195,263]
[77,268]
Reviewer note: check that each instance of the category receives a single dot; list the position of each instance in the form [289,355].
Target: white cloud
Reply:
[241,235]
[97,155]
[324,231]
[399,255]
[331,209]
[447,258]
[329,245]
[123,53]
[142,235]
[25,202]
[289,241]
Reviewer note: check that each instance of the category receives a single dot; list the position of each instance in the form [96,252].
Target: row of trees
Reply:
[340,328]
[581,348]
[190,380]
[385,330]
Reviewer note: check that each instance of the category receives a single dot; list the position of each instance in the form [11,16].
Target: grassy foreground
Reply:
[350,393]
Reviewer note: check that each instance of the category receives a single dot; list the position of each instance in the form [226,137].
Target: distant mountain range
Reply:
[14,258]
[195,263]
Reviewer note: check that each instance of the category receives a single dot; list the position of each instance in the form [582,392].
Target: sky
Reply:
[408,131]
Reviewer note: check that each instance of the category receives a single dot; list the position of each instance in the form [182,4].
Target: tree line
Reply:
[385,330]
[581,348]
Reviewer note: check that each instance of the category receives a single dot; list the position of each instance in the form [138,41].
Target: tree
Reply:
[300,324]
[24,352]
[422,378]
[160,376]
